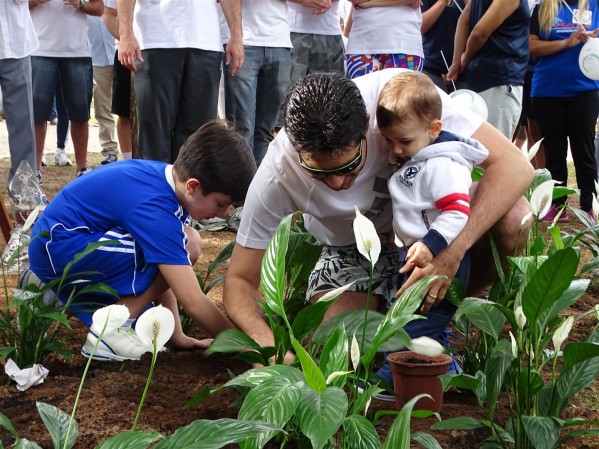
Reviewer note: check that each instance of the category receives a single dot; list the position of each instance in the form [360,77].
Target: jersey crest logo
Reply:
[411,172]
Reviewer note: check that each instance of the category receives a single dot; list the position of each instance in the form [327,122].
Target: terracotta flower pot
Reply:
[415,374]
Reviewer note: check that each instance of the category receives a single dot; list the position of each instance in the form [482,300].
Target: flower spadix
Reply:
[114,316]
[426,346]
[562,332]
[367,239]
[156,323]
[540,200]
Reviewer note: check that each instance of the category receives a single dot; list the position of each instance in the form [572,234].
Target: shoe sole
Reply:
[103,356]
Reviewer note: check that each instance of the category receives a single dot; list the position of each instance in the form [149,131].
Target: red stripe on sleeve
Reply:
[452,198]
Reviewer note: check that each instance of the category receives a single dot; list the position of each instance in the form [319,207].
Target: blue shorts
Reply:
[119,265]
[76,78]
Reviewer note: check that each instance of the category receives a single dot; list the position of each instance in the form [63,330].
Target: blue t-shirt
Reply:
[559,75]
[135,195]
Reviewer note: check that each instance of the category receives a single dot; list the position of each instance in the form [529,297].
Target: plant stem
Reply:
[143,396]
[89,361]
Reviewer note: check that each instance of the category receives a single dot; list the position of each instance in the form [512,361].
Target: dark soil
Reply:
[112,391]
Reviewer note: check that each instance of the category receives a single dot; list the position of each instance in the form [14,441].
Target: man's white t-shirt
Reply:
[386,30]
[303,20]
[17,34]
[61,30]
[177,24]
[282,187]
[265,23]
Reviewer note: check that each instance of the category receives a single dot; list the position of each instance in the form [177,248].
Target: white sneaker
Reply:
[119,345]
[61,158]
[43,158]
[235,219]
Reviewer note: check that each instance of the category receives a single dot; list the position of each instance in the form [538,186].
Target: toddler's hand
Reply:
[418,256]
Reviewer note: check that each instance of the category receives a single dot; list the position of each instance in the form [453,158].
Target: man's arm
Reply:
[111,21]
[129,50]
[497,13]
[234,53]
[241,296]
[506,171]
[34,3]
[431,15]
[89,7]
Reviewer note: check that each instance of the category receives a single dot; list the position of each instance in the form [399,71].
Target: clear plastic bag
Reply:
[25,196]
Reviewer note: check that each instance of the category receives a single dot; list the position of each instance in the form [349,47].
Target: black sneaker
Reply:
[81,172]
[109,158]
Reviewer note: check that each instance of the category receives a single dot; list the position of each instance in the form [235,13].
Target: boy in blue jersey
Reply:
[152,258]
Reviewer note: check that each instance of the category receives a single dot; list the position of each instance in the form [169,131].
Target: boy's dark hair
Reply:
[324,114]
[406,96]
[220,158]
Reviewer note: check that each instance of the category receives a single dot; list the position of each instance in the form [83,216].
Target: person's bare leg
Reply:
[534,134]
[125,136]
[40,140]
[80,136]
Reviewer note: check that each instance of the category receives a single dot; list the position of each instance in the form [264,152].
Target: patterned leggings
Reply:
[358,65]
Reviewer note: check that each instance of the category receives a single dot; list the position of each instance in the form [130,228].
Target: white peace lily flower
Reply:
[426,346]
[355,353]
[540,200]
[595,206]
[335,375]
[367,240]
[597,187]
[520,317]
[525,219]
[114,315]
[597,311]
[514,345]
[532,152]
[156,323]
[561,333]
[332,294]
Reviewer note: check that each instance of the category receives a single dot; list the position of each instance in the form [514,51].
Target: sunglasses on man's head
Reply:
[339,171]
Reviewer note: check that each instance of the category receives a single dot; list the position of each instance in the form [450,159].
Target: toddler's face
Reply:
[406,139]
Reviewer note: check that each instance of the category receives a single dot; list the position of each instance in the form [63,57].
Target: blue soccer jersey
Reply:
[130,205]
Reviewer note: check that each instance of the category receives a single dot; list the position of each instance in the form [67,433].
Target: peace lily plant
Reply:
[530,298]
[319,405]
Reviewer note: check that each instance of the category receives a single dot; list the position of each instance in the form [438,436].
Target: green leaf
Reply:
[221,257]
[57,422]
[542,432]
[320,414]
[495,371]
[272,279]
[399,433]
[461,381]
[130,440]
[426,440]
[574,378]
[484,315]
[591,266]
[548,285]
[26,444]
[358,432]
[274,402]
[574,291]
[334,356]
[308,319]
[232,340]
[257,376]
[5,422]
[579,352]
[314,376]
[461,423]
[205,434]
[577,434]
[353,322]
[400,314]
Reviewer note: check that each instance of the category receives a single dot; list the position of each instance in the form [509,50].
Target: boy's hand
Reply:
[418,256]
[185,343]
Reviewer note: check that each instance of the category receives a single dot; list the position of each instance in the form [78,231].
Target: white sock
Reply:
[127,155]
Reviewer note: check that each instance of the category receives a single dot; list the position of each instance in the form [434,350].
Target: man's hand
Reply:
[185,343]
[445,263]
[234,54]
[129,51]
